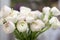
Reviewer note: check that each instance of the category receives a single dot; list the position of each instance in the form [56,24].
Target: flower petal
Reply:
[22,26]
[55,11]
[8,27]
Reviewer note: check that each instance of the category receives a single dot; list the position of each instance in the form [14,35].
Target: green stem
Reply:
[29,32]
[17,35]
[42,31]
[24,35]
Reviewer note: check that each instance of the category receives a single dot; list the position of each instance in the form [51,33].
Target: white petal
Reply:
[22,26]
[37,14]
[55,23]
[12,17]
[53,20]
[55,11]
[29,19]
[40,22]
[21,17]
[37,25]
[8,27]
[14,13]
[6,11]
[46,10]
[25,10]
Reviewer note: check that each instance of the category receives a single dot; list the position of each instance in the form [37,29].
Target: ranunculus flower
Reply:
[12,16]
[36,14]
[5,10]
[21,17]
[25,10]
[33,15]
[54,22]
[29,19]
[37,25]
[8,27]
[55,11]
[22,26]
[46,11]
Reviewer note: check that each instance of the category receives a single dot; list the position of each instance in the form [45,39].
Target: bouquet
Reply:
[27,24]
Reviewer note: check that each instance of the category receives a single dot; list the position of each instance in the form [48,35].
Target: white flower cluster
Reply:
[11,19]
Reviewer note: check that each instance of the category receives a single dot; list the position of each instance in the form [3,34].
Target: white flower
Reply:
[54,22]
[21,17]
[5,11]
[29,19]
[46,11]
[25,10]
[22,26]
[36,14]
[12,16]
[55,11]
[8,27]
[14,13]
[37,25]
[33,15]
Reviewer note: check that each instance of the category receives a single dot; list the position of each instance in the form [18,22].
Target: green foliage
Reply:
[30,35]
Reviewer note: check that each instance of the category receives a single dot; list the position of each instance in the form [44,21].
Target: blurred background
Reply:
[34,5]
